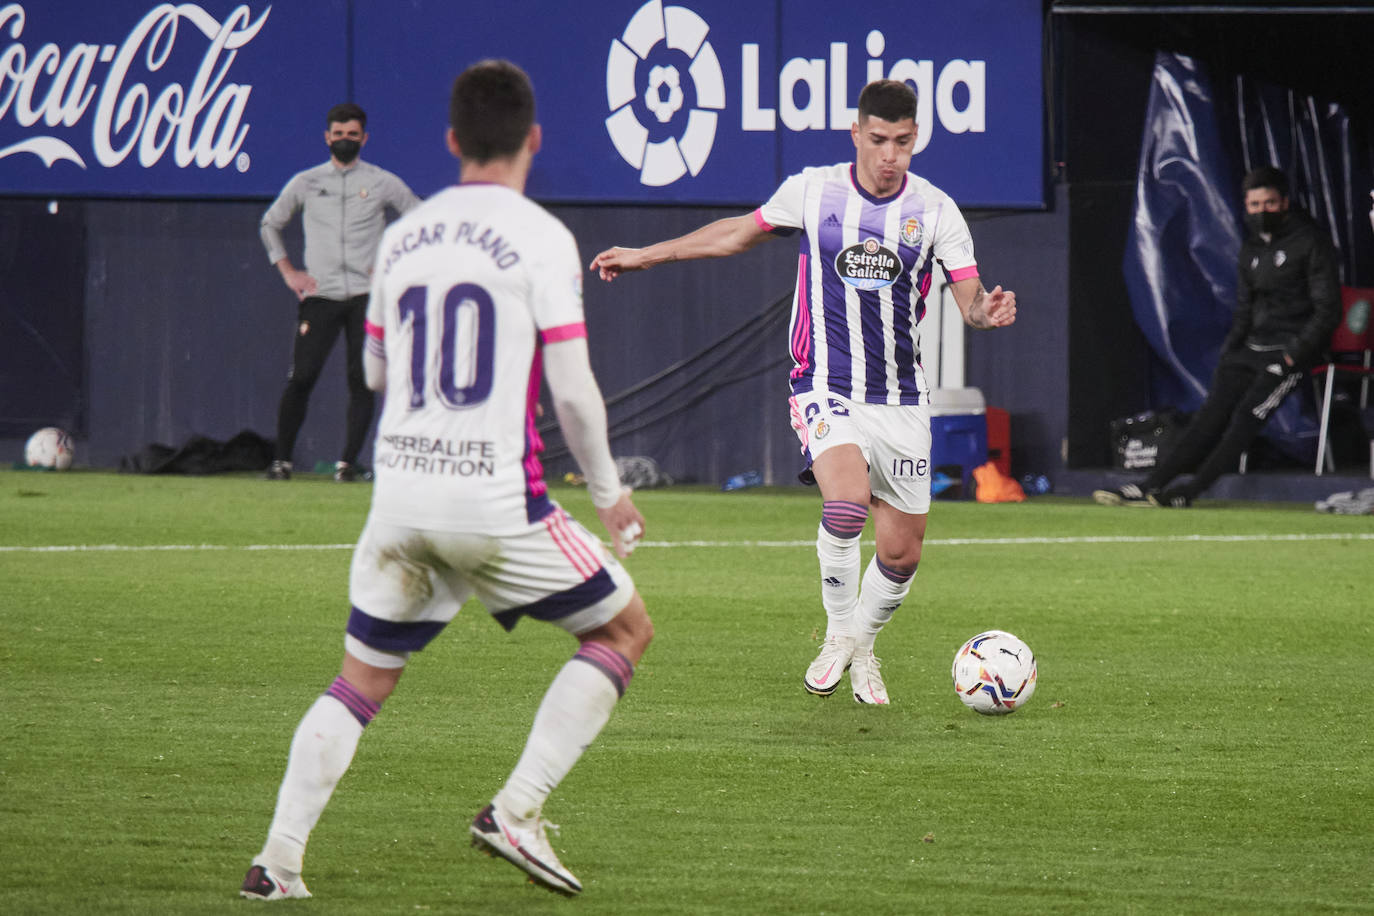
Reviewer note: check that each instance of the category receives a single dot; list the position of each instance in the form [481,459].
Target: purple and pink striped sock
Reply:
[363,709]
[842,518]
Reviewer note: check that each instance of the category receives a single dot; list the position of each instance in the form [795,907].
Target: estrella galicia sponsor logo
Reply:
[664,87]
[868,265]
[132,106]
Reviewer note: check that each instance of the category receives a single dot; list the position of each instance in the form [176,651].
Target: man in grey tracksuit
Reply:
[343,204]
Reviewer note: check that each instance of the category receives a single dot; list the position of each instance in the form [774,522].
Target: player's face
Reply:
[1264,200]
[882,153]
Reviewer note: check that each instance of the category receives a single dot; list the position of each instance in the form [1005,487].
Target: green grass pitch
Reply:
[1200,740]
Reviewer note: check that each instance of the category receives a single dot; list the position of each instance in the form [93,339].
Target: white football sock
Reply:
[321,751]
[840,564]
[574,710]
[878,601]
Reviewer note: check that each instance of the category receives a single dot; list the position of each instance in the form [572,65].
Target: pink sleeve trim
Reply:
[374,330]
[963,273]
[563,332]
[763,223]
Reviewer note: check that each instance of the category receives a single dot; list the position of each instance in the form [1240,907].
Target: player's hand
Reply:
[299,282]
[624,524]
[999,308]
[613,262]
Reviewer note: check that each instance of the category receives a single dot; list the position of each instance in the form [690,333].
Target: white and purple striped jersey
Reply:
[467,288]
[863,273]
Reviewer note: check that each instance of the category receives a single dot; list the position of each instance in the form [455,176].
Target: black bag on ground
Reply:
[202,455]
[1139,442]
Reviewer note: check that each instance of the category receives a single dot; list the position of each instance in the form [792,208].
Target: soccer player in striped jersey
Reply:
[476,292]
[872,235]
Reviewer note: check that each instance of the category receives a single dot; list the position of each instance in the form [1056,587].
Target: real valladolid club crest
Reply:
[133,108]
[911,231]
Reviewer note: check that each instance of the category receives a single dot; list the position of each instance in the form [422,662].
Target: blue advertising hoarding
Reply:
[134,98]
[698,102]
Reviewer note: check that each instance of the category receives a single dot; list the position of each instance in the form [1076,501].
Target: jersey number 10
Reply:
[467,328]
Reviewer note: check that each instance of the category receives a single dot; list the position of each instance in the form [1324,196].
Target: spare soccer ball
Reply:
[50,447]
[994,673]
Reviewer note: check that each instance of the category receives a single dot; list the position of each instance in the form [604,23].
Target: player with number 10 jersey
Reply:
[475,296]
[457,447]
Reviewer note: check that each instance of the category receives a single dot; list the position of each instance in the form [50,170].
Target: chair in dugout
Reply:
[1352,349]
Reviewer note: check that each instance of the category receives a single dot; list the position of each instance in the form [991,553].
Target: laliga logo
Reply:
[646,90]
[201,123]
[663,159]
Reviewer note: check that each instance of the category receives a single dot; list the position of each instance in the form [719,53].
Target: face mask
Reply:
[1266,221]
[345,150]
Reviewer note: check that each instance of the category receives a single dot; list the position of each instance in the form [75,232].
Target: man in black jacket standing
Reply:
[1288,304]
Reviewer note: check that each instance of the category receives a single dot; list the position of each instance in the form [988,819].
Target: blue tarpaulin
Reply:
[1180,261]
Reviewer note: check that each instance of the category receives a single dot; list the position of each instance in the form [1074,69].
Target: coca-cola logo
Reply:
[133,107]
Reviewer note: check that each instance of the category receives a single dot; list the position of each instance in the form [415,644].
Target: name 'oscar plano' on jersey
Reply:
[470,233]
[868,265]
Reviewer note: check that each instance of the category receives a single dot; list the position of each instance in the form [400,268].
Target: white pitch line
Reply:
[930,542]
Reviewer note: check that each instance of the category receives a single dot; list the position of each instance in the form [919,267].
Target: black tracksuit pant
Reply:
[1248,385]
[319,324]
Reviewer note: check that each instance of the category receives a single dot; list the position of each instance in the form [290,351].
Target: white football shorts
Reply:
[406,583]
[894,440]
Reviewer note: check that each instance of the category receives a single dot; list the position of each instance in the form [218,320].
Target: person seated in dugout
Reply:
[1288,304]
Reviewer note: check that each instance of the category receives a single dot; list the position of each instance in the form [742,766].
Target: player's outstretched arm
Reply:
[719,239]
[582,417]
[982,309]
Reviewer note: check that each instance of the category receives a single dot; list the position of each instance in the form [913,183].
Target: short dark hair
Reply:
[891,100]
[345,111]
[491,110]
[1266,176]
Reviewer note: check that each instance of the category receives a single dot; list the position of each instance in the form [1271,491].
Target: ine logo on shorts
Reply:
[664,88]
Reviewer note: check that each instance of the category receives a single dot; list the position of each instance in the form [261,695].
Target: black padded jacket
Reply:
[1288,295]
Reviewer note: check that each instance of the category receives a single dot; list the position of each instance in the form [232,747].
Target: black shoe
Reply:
[280,470]
[350,473]
[261,884]
[1128,495]
[1171,499]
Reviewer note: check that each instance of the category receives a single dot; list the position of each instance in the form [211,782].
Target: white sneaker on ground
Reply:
[525,848]
[830,665]
[261,884]
[864,678]
[1130,494]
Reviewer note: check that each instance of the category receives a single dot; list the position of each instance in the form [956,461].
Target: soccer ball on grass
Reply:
[51,448]
[994,673]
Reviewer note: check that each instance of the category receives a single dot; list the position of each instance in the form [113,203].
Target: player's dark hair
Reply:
[890,100]
[343,112]
[491,110]
[1266,176]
